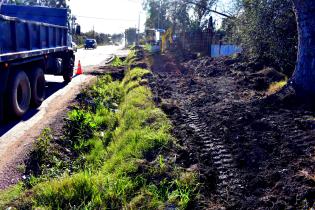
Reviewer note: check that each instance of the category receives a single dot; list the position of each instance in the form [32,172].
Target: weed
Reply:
[41,153]
[117,62]
[43,143]
[10,194]
[21,168]
[276,86]
[161,162]
[79,126]
[109,142]
[148,47]
[135,75]
[130,58]
[106,93]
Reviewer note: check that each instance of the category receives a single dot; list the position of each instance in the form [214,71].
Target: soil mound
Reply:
[252,153]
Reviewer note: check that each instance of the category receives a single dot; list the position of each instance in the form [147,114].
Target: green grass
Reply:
[10,194]
[111,137]
[148,47]
[117,62]
[141,128]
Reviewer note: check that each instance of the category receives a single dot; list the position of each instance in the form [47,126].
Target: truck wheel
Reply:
[38,82]
[19,94]
[68,70]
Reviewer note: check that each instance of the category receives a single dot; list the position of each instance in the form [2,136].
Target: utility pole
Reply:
[138,36]
[73,20]
[93,32]
[159,14]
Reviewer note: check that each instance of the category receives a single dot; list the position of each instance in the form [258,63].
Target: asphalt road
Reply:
[55,87]
[17,136]
[88,59]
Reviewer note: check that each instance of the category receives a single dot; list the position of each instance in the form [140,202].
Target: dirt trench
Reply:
[251,153]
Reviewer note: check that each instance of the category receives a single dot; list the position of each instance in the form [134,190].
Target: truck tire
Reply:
[38,83]
[68,70]
[19,94]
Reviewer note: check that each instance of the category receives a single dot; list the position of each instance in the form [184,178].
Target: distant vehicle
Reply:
[154,36]
[90,43]
[33,41]
[74,47]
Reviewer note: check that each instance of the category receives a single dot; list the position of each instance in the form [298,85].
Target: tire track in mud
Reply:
[251,153]
[229,183]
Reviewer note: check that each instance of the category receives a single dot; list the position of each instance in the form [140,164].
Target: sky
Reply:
[109,16]
[114,16]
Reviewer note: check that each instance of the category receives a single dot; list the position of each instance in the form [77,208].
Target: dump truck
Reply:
[34,41]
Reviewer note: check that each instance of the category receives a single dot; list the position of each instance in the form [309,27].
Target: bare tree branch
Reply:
[209,10]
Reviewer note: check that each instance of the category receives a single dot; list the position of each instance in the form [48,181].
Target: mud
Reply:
[251,152]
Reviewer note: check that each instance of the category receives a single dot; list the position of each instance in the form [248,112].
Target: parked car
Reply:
[74,47]
[90,43]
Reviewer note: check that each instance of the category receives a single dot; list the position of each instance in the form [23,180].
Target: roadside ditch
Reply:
[114,150]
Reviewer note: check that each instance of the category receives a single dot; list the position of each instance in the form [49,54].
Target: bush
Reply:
[111,179]
[112,146]
[267,30]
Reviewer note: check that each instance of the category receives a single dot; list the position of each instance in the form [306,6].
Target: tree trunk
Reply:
[304,76]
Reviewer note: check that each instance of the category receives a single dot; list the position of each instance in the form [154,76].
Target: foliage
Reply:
[48,3]
[202,12]
[147,47]
[180,15]
[131,57]
[266,30]
[157,14]
[141,128]
[135,75]
[117,62]
[111,135]
[10,194]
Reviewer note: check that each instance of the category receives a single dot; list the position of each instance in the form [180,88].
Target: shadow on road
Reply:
[51,88]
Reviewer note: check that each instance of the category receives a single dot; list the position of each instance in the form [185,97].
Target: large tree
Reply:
[157,11]
[202,10]
[48,3]
[266,29]
[180,15]
[304,76]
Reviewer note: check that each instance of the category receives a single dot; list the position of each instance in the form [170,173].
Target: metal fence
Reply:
[195,41]
[206,42]
[218,50]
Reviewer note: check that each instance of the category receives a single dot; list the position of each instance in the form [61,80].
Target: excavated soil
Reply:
[252,152]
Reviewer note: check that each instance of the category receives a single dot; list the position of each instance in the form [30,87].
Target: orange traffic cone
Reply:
[79,70]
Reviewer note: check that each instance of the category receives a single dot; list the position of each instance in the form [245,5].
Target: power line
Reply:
[106,19]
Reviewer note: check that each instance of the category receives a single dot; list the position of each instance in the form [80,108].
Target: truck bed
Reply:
[22,38]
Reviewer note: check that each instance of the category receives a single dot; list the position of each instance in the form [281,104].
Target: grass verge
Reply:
[116,139]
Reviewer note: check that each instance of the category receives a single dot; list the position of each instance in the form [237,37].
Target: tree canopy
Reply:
[267,30]
[180,15]
[48,3]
